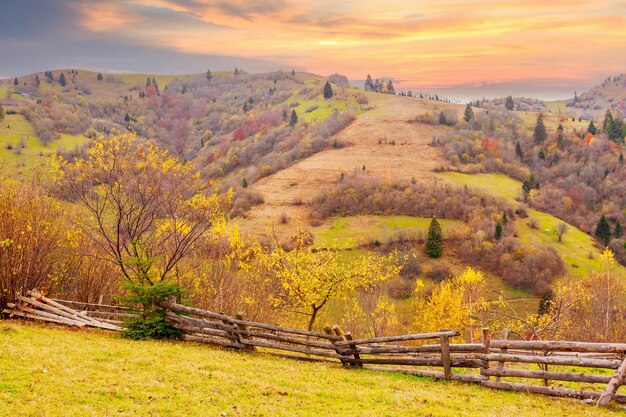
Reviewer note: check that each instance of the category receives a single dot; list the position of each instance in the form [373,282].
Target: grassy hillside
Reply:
[21,151]
[48,371]
[578,249]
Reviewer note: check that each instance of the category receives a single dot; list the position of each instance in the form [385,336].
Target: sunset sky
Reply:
[457,47]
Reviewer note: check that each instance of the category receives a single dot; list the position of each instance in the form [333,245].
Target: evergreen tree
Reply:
[603,231]
[509,104]
[545,303]
[560,139]
[156,86]
[62,80]
[498,232]
[608,127]
[100,77]
[294,118]
[619,231]
[542,154]
[409,94]
[127,117]
[526,188]
[148,82]
[244,183]
[442,118]
[284,115]
[209,76]
[469,113]
[592,128]
[245,107]
[540,134]
[505,218]
[621,158]
[390,88]
[37,81]
[236,72]
[293,72]
[369,84]
[518,151]
[328,90]
[434,243]
[16,81]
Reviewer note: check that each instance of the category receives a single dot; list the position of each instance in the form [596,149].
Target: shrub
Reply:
[149,322]
[438,273]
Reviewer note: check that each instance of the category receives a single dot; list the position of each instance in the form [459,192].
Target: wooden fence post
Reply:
[444,340]
[486,344]
[348,336]
[616,381]
[505,336]
[243,332]
[329,331]
[232,335]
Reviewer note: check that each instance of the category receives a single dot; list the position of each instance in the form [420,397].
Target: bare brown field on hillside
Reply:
[383,140]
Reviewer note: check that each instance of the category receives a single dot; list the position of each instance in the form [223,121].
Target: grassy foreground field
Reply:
[49,371]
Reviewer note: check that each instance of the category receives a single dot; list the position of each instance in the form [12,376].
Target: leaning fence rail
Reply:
[588,371]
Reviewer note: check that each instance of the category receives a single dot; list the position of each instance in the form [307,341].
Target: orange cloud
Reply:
[437,42]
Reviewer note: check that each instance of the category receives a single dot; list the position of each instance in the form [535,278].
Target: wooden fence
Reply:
[588,371]
[429,354]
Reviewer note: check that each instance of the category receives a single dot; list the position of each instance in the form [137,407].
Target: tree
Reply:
[147,208]
[37,81]
[328,90]
[209,76]
[1,112]
[526,188]
[469,113]
[509,104]
[244,183]
[32,232]
[294,118]
[434,242]
[390,87]
[293,72]
[618,230]
[62,80]
[518,151]
[369,84]
[16,81]
[561,229]
[540,134]
[455,303]
[308,279]
[560,140]
[608,126]
[100,77]
[236,72]
[545,302]
[603,231]
[498,231]
[592,128]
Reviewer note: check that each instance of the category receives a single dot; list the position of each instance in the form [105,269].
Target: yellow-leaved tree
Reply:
[146,210]
[456,304]
[310,278]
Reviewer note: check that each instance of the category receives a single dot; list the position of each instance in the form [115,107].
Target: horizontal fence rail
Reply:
[593,372]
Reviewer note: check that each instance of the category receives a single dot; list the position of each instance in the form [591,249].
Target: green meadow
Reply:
[50,371]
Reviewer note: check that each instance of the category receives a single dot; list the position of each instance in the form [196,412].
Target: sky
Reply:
[457,48]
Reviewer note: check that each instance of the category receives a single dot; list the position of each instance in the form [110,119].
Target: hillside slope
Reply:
[48,371]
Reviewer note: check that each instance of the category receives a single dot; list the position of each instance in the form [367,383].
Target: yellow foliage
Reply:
[310,278]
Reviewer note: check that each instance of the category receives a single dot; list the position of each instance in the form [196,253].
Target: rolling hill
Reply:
[236,127]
